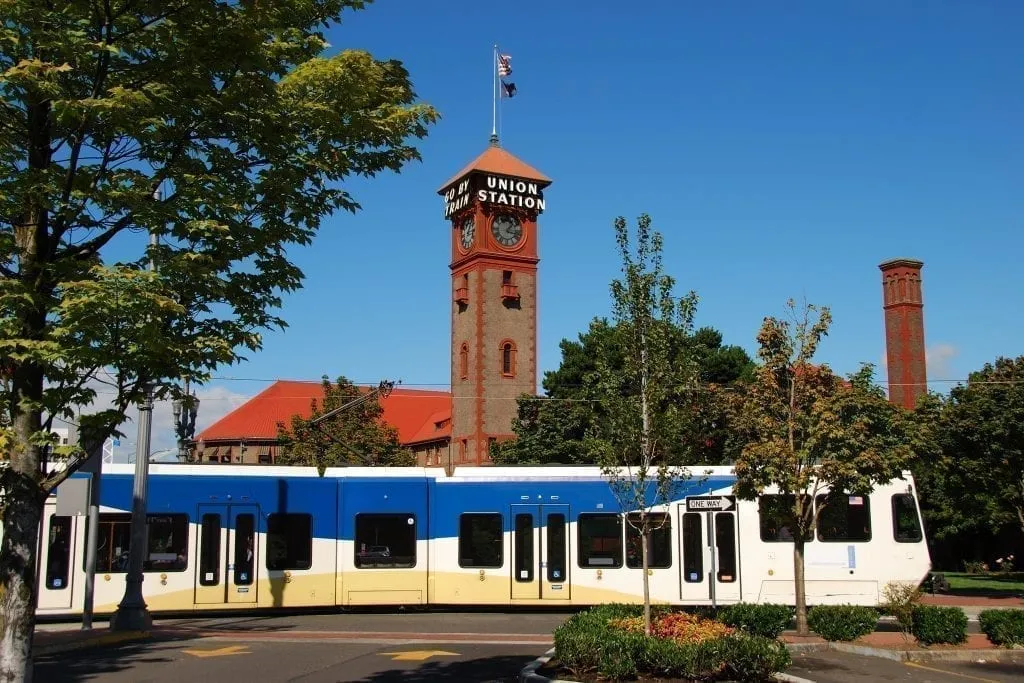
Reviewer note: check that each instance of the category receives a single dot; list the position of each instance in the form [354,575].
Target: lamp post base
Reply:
[131,618]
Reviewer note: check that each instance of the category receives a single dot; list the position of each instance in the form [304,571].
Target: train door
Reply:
[540,552]
[227,552]
[710,550]
[56,560]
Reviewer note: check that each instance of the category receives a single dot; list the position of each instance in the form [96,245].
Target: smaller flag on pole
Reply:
[509,89]
[504,65]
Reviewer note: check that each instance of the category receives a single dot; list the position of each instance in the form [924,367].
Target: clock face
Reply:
[507,230]
[468,229]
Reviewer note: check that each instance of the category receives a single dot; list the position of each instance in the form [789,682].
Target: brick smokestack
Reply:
[904,330]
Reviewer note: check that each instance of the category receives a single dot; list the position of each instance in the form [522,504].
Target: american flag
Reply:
[504,65]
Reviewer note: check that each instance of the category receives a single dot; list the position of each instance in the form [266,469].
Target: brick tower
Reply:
[493,205]
[904,330]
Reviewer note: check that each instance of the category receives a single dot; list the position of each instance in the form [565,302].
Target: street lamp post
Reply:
[132,614]
[185,411]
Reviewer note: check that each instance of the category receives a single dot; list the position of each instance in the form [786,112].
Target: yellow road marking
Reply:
[417,655]
[219,652]
[951,673]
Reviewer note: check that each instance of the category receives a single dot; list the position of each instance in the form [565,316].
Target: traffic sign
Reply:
[710,503]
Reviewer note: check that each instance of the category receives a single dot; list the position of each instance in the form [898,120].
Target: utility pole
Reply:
[132,613]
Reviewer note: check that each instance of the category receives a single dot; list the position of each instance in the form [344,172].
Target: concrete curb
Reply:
[104,640]
[790,678]
[993,655]
[529,672]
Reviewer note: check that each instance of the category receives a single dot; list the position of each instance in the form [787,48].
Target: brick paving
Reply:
[983,602]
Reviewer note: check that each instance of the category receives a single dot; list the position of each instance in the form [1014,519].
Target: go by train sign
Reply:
[494,190]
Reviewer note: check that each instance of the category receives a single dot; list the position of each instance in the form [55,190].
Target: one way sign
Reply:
[710,503]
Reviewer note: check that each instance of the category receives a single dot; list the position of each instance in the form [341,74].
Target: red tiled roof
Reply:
[437,426]
[407,410]
[496,160]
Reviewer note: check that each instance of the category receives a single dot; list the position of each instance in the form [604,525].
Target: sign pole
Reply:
[94,466]
[712,543]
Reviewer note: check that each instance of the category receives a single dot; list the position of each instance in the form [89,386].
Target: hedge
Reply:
[1003,626]
[760,620]
[842,622]
[934,625]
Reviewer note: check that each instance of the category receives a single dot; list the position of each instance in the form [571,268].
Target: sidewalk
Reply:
[54,638]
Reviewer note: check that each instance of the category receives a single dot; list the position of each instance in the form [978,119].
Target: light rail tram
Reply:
[263,537]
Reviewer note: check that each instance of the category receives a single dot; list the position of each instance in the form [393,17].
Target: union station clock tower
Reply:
[492,205]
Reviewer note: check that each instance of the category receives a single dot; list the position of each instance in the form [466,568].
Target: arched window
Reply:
[464,361]
[508,358]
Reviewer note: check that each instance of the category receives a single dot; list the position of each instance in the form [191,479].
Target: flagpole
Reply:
[494,100]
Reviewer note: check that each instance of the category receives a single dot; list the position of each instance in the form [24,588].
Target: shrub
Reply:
[842,622]
[1003,626]
[900,601]
[760,620]
[595,642]
[754,658]
[975,566]
[932,625]
[679,626]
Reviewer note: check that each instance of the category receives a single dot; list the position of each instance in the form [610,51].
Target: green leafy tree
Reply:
[974,481]
[345,428]
[556,428]
[803,429]
[221,129]
[640,416]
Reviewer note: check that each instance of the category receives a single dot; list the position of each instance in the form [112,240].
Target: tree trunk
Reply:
[647,579]
[23,497]
[801,588]
[18,576]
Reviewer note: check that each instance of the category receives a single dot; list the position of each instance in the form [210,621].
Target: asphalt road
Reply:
[840,667]
[318,662]
[319,648]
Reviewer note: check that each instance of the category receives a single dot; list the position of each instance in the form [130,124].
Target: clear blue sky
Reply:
[784,150]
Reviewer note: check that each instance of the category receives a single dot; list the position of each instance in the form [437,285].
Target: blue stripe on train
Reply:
[333,503]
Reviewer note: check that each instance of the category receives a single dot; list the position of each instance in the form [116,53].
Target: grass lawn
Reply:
[997,583]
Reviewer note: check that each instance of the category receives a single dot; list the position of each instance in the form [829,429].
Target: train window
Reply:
[557,551]
[693,548]
[168,543]
[385,541]
[480,540]
[776,515]
[843,517]
[58,554]
[659,545]
[600,540]
[524,548]
[906,525]
[209,550]
[289,541]
[245,549]
[725,543]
